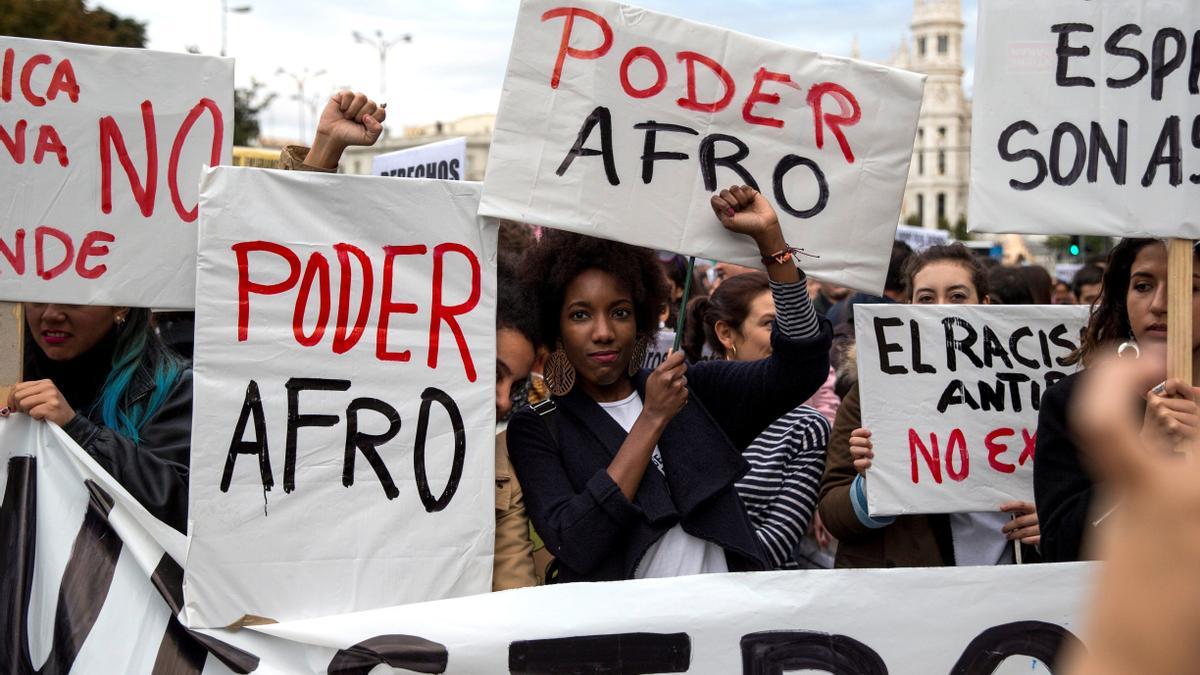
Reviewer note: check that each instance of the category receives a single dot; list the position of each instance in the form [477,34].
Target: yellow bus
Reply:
[262,158]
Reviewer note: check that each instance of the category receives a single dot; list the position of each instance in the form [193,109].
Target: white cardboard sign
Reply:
[101,151]
[620,123]
[951,396]
[1087,118]
[342,447]
[444,160]
[97,550]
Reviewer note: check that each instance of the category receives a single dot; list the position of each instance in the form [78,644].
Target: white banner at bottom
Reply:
[79,558]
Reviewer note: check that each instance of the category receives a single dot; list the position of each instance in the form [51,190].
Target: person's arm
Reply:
[512,564]
[1062,487]
[745,396]
[843,505]
[786,516]
[348,119]
[155,469]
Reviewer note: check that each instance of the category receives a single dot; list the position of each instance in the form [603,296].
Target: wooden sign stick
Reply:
[1180,254]
[1179,309]
[12,347]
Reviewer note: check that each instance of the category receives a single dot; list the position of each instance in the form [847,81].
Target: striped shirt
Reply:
[788,457]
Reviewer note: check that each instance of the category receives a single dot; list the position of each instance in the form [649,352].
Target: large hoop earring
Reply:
[639,356]
[1127,346]
[559,373]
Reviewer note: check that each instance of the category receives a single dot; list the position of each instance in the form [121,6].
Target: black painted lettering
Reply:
[650,152]
[602,117]
[428,396]
[1008,155]
[295,420]
[781,171]
[709,160]
[1065,52]
[368,444]
[251,409]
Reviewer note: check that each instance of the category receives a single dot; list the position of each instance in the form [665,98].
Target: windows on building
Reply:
[921,209]
[941,207]
[920,162]
[943,44]
[941,162]
[921,46]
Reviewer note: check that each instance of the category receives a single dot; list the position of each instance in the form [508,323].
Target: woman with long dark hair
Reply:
[788,457]
[630,473]
[104,376]
[1129,317]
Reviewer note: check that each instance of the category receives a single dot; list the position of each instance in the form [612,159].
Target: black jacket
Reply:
[154,471]
[1062,487]
[595,533]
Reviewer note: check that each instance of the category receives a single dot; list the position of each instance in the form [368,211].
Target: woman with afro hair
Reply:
[631,473]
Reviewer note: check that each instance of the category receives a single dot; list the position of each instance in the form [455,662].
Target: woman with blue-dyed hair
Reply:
[105,377]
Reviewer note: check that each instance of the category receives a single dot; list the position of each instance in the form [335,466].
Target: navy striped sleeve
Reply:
[794,313]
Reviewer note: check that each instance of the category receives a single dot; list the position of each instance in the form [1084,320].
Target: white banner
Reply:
[1087,119]
[101,151]
[620,123]
[951,396]
[80,559]
[444,160]
[343,438]
[921,238]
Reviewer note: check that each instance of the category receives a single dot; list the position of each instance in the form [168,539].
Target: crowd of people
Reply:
[744,450]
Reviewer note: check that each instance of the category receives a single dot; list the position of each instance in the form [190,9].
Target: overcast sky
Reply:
[455,64]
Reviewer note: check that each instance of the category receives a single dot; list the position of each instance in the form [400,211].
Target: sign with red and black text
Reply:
[951,395]
[344,427]
[101,151]
[621,123]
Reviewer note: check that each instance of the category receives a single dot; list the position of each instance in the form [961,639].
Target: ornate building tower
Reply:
[937,184]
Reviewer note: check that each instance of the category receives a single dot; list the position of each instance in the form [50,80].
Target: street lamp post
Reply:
[225,11]
[300,78]
[382,46]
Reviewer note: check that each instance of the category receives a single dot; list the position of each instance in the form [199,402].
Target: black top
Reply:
[1062,486]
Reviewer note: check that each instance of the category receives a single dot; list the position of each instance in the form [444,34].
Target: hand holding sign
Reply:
[666,389]
[1172,418]
[41,400]
[861,450]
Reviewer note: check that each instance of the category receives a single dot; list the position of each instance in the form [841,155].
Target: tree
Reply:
[69,21]
[960,231]
[246,107]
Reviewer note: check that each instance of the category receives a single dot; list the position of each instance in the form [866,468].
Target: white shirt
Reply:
[676,553]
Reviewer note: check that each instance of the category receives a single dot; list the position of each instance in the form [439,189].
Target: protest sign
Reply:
[1087,120]
[951,396]
[660,349]
[444,160]
[621,123]
[921,238]
[100,157]
[342,448]
[105,574]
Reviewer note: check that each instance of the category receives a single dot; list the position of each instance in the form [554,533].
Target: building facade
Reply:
[936,194]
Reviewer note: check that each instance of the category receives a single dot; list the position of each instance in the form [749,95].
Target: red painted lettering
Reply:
[387,306]
[757,96]
[446,313]
[15,144]
[48,141]
[189,215]
[660,69]
[93,245]
[15,255]
[933,461]
[691,102]
[110,137]
[245,287]
[996,449]
[850,114]
[39,245]
[343,342]
[63,81]
[565,49]
[1030,446]
[6,74]
[27,74]
[317,265]
[957,441]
